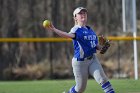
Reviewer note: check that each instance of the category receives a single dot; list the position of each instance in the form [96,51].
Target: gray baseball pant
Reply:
[82,69]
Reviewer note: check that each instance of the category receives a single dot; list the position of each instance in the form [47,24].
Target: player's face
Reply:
[81,16]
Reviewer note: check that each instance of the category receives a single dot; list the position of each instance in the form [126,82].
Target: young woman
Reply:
[84,61]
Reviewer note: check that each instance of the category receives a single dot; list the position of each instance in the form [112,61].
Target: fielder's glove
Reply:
[104,43]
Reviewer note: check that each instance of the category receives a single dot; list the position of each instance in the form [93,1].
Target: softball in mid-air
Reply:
[46,23]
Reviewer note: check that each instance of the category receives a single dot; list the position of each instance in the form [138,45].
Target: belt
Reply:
[87,58]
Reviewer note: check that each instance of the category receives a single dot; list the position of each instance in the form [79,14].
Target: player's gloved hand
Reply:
[105,47]
[105,43]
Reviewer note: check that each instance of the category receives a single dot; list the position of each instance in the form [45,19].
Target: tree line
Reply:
[23,18]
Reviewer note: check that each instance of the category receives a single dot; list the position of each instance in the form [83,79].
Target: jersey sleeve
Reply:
[73,31]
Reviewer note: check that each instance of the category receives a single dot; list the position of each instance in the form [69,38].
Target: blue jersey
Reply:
[85,41]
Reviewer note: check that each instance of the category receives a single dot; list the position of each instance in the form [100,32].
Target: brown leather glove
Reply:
[105,47]
[105,43]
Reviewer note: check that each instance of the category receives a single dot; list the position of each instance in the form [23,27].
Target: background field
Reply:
[58,86]
[30,60]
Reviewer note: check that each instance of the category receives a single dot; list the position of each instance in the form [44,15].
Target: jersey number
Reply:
[92,44]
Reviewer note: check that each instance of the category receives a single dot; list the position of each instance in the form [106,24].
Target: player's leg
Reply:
[80,70]
[97,72]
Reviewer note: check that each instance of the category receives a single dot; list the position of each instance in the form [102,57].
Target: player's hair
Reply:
[75,21]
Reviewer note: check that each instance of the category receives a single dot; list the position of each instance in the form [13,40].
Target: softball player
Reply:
[85,61]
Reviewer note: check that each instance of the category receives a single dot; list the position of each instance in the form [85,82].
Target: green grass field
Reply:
[58,86]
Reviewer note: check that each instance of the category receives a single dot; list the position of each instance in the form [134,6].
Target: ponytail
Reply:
[75,21]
